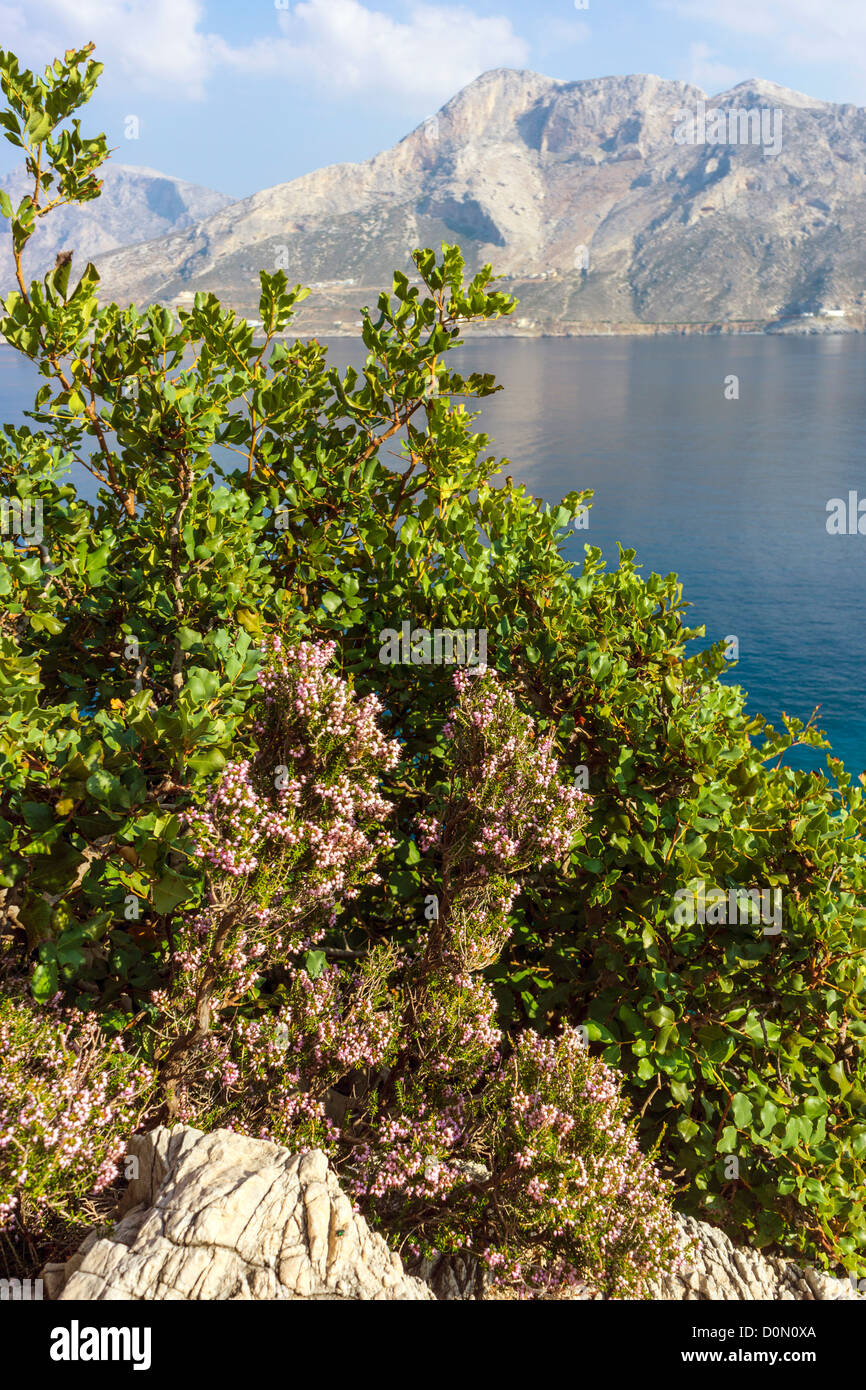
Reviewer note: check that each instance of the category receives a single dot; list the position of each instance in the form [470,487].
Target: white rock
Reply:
[724,1271]
[221,1216]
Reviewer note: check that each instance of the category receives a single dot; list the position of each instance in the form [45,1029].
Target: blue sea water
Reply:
[730,494]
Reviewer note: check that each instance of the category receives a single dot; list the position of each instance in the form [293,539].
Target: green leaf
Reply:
[661,1015]
[44,981]
[103,786]
[46,622]
[213,760]
[202,685]
[169,892]
[38,126]
[315,962]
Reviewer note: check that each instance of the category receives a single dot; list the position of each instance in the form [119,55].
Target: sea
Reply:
[713,457]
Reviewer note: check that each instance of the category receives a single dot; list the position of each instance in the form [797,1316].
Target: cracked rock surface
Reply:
[722,1271]
[221,1216]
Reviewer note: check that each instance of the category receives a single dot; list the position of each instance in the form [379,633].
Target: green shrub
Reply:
[746,1039]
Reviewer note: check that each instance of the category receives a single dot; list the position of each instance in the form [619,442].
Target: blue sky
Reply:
[242,95]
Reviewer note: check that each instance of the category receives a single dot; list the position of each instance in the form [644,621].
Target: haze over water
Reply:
[731,495]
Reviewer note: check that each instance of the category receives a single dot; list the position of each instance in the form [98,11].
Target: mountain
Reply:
[611,203]
[135,205]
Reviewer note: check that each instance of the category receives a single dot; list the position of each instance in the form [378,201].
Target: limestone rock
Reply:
[724,1271]
[221,1216]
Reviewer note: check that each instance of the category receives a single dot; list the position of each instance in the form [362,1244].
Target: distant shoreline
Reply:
[783,329]
[772,329]
[801,326]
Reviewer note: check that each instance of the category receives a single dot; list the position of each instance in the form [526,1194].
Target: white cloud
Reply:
[814,31]
[433,53]
[162,45]
[149,45]
[708,74]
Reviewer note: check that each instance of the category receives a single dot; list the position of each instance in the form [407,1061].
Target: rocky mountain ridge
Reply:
[136,205]
[607,204]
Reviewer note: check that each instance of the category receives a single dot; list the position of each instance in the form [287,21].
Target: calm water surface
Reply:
[731,495]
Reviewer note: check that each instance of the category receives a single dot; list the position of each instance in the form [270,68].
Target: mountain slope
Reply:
[578,191]
[136,205]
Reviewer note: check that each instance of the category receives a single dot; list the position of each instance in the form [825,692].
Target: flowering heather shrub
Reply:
[536,1169]
[69,1100]
[594,1203]
[287,836]
[305,814]
[506,807]
[269,1075]
[448,1136]
[521,1154]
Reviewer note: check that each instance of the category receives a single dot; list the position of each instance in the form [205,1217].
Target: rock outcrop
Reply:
[721,1271]
[221,1216]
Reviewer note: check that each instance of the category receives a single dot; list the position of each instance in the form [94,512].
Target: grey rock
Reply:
[723,1271]
[221,1216]
[136,204]
[452,1277]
